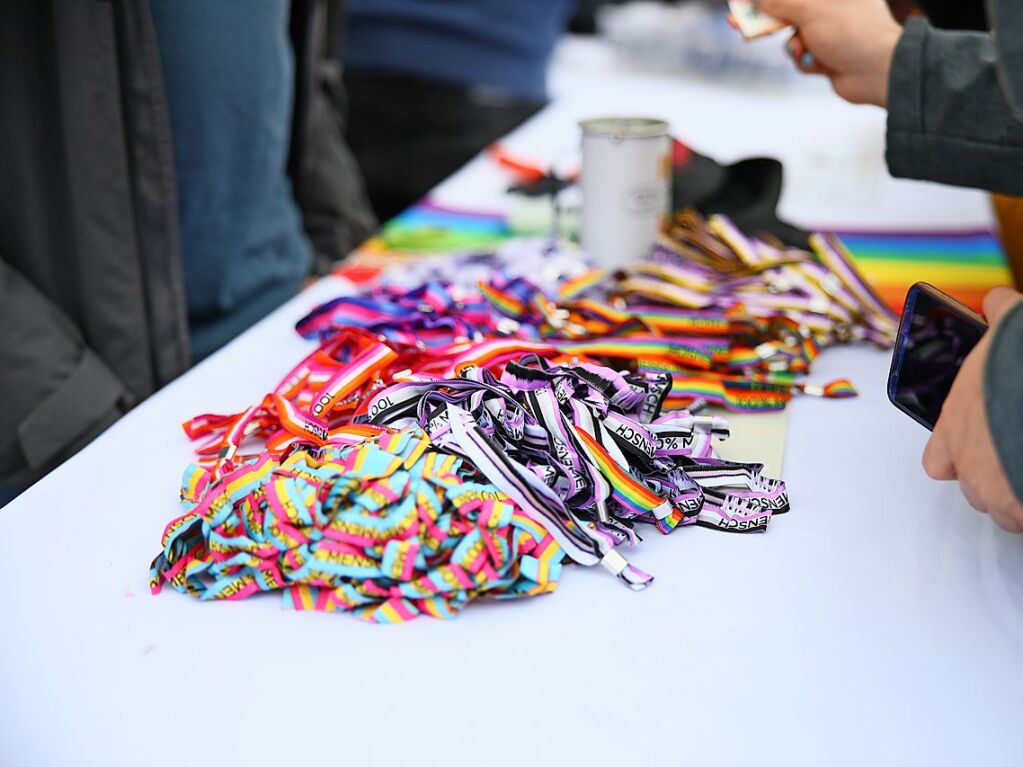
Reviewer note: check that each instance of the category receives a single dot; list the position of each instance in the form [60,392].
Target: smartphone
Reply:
[935,335]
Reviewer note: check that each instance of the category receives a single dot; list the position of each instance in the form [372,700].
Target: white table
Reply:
[880,623]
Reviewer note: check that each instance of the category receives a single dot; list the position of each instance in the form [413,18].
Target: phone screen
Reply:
[933,342]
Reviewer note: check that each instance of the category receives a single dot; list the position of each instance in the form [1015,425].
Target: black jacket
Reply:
[91,291]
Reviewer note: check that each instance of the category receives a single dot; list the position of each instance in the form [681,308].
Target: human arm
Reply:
[949,120]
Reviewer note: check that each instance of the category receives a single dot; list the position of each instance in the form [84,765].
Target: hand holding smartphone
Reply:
[935,336]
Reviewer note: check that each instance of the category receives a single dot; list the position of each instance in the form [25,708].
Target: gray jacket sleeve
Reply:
[57,393]
[1003,384]
[948,117]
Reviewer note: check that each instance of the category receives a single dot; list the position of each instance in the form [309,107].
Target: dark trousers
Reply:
[409,135]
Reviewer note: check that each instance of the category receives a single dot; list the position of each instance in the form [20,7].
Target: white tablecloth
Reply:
[879,623]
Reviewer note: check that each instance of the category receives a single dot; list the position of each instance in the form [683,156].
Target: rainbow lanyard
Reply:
[558,462]
[586,453]
[387,530]
[526,421]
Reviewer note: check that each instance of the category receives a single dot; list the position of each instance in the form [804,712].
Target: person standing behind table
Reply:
[955,102]
[96,309]
[432,82]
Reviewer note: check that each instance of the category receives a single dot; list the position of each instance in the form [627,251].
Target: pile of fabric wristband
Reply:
[457,440]
[388,528]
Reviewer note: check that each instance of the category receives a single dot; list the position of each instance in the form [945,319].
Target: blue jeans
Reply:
[229,75]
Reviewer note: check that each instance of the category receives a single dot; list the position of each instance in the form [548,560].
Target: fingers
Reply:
[998,302]
[973,496]
[801,55]
[938,458]
[796,48]
[996,499]
[794,12]
[1009,516]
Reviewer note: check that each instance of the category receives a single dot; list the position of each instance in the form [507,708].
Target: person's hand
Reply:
[852,42]
[961,446]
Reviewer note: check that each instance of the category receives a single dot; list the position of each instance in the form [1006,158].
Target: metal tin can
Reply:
[626,186]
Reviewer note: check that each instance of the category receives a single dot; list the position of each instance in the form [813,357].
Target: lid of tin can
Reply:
[619,128]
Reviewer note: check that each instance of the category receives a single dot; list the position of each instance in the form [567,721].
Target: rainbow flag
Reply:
[431,228]
[963,264]
[424,229]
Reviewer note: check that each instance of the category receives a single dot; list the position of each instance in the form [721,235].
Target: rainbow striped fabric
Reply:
[431,228]
[964,264]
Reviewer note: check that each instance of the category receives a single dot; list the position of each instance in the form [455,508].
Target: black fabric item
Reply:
[747,192]
[91,293]
[699,178]
[326,179]
[968,15]
[408,135]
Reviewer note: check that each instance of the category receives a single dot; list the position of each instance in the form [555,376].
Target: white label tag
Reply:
[752,22]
